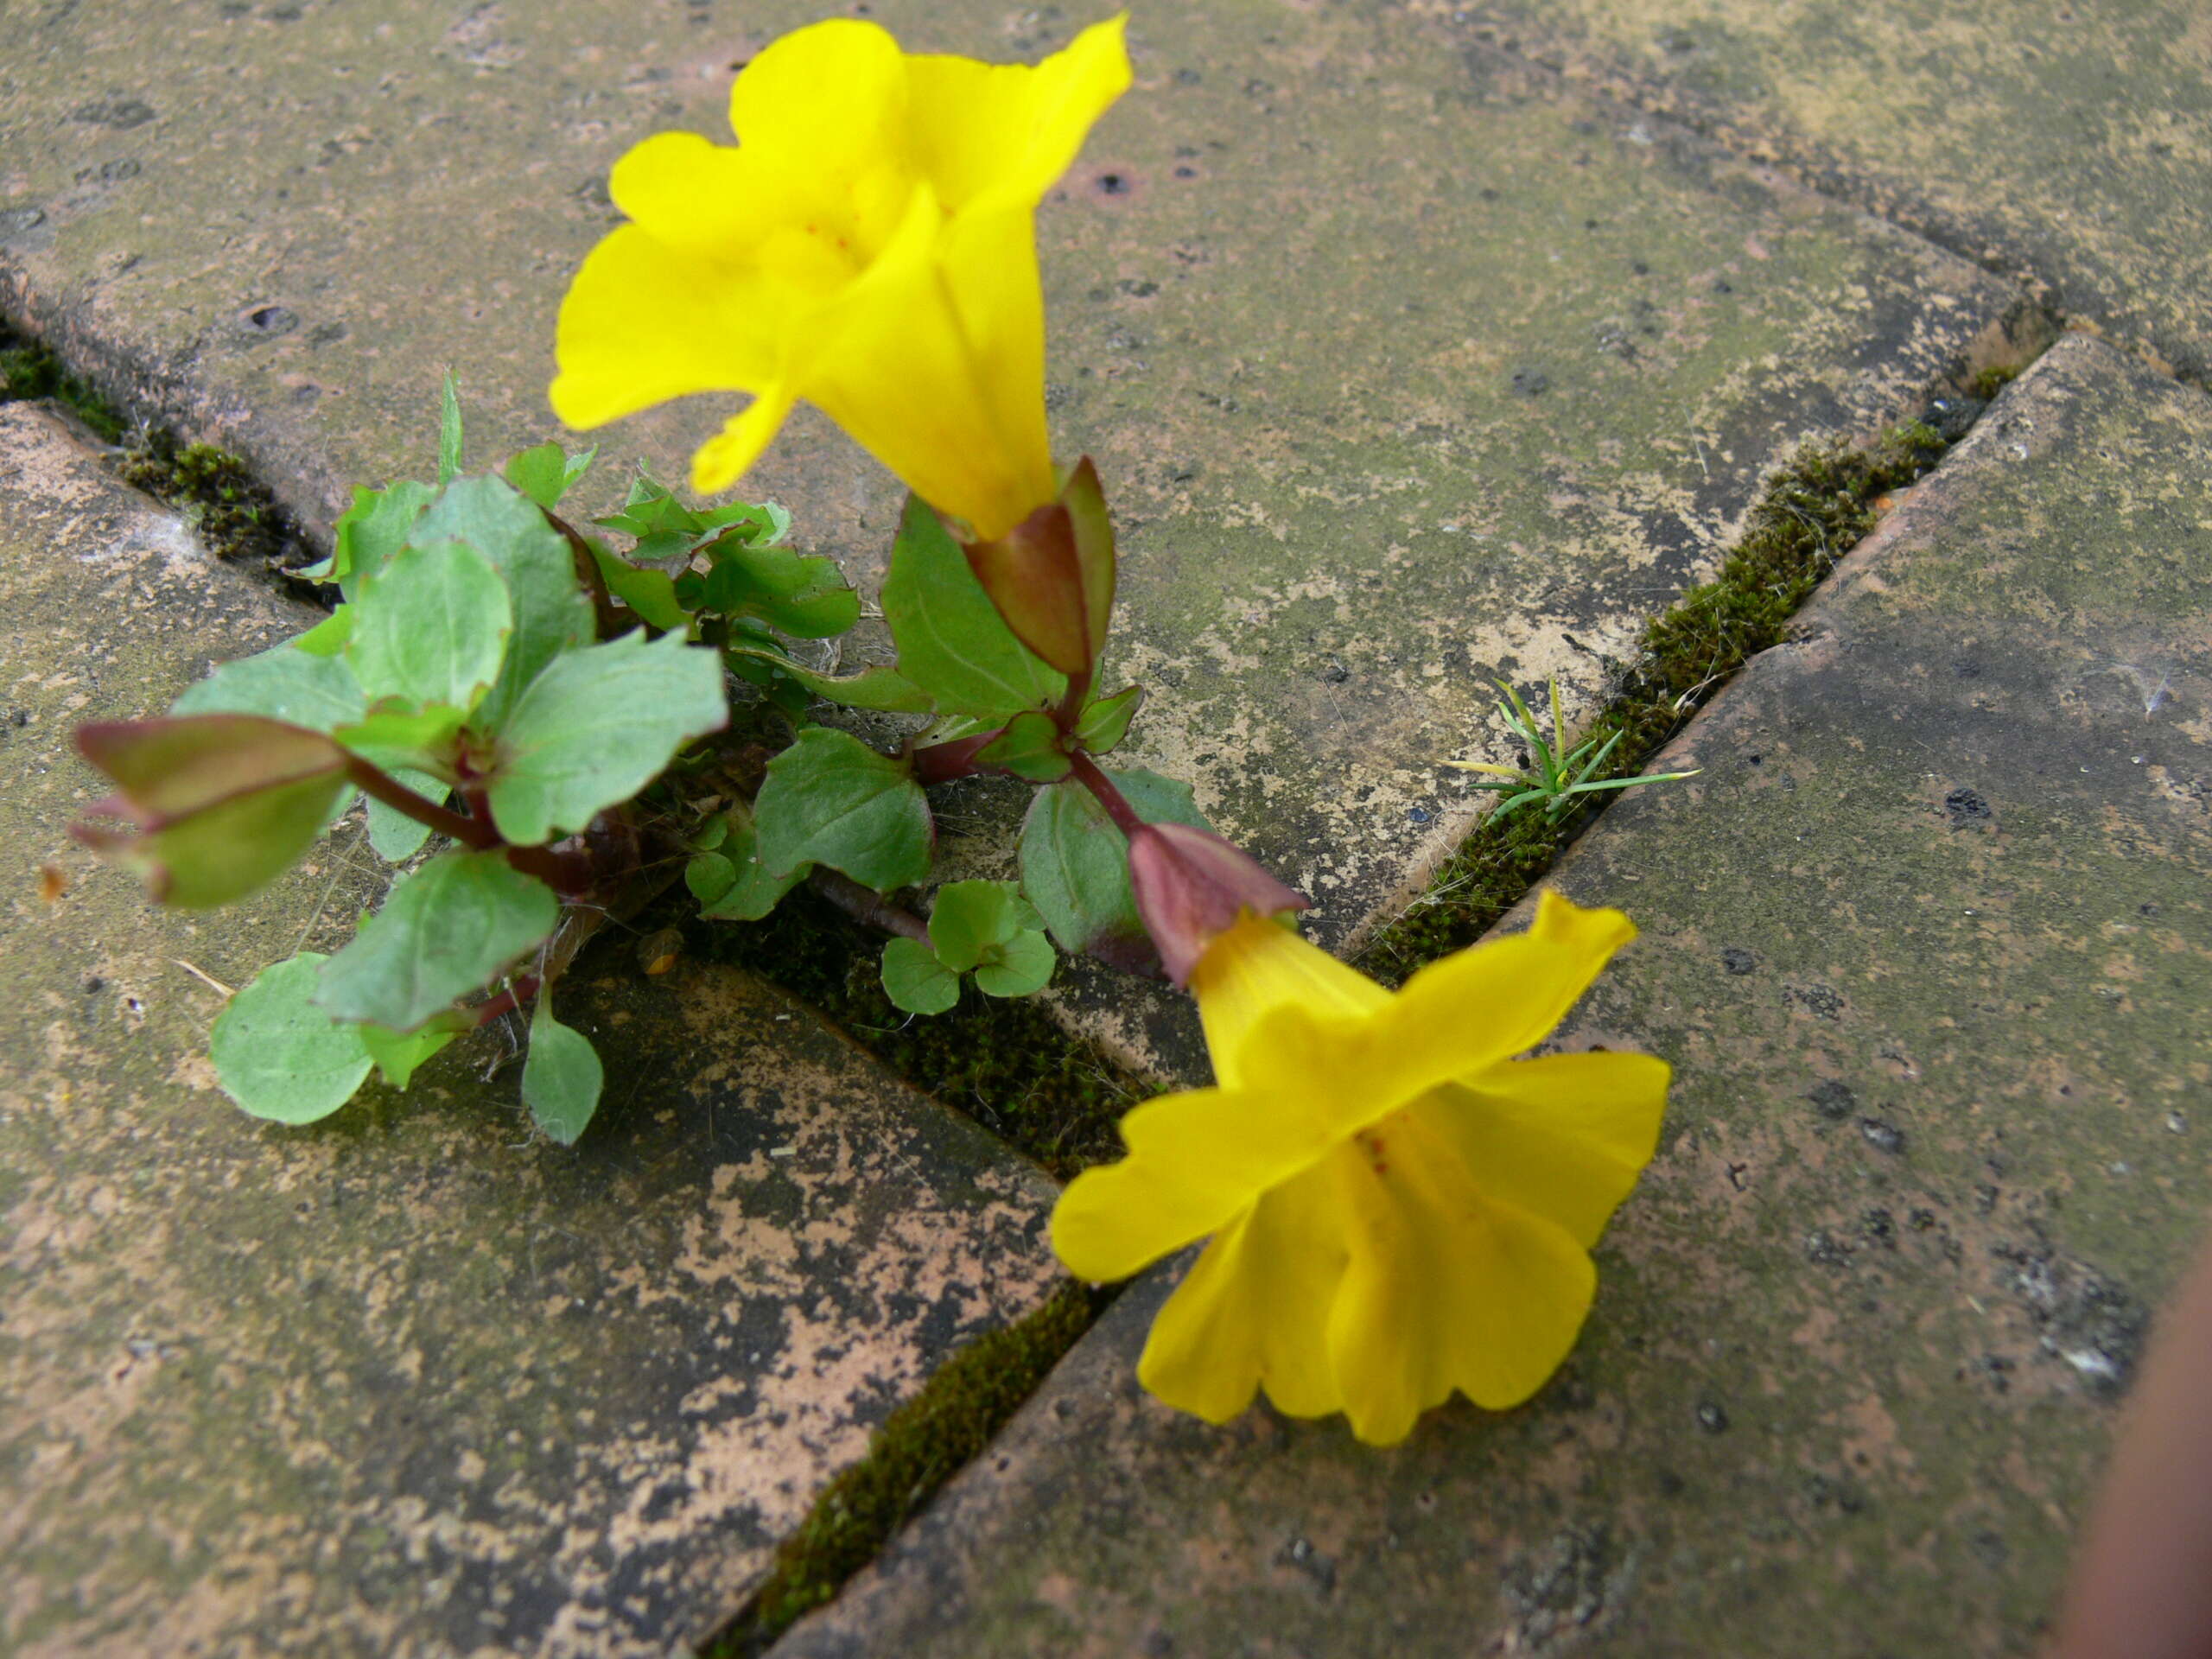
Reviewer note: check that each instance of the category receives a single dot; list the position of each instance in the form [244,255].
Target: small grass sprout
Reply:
[1556,778]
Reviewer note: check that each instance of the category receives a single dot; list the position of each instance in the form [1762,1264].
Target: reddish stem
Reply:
[940,763]
[870,909]
[565,873]
[507,1001]
[1117,806]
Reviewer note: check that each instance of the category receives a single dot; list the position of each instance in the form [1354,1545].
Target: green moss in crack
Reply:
[234,515]
[1993,380]
[921,1446]
[30,371]
[1007,1063]
[1811,513]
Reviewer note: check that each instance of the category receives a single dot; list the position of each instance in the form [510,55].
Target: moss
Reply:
[1007,1063]
[29,370]
[235,515]
[1993,380]
[920,1447]
[1812,512]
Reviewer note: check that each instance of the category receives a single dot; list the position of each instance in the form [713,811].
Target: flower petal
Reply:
[727,456]
[1491,1000]
[643,323]
[1259,965]
[1196,1161]
[1001,134]
[1445,1288]
[1253,1312]
[822,101]
[895,361]
[1563,1137]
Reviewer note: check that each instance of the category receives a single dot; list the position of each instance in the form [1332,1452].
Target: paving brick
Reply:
[1927,943]
[1406,368]
[411,1380]
[2068,144]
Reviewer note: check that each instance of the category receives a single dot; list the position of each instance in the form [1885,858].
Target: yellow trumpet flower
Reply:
[1398,1207]
[868,247]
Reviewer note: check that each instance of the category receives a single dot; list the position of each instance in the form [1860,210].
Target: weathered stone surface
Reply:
[411,1380]
[2070,145]
[1927,943]
[1405,368]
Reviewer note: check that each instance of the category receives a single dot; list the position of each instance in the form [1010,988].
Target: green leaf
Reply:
[398,1054]
[328,637]
[751,892]
[651,593]
[972,919]
[1023,966]
[916,981]
[374,528]
[831,799]
[226,802]
[709,876]
[804,595]
[1029,747]
[884,690]
[418,740]
[395,836]
[545,472]
[533,559]
[448,431]
[1075,864]
[1105,722]
[286,684]
[597,726]
[279,1055]
[951,642]
[445,931]
[562,1078]
[432,628]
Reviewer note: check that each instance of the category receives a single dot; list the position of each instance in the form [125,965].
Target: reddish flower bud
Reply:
[1190,884]
[1052,575]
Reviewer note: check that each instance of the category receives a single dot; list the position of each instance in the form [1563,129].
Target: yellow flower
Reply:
[867,246]
[1398,1207]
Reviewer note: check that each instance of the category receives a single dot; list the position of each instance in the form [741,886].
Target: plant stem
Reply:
[568,873]
[870,909]
[1116,804]
[507,1001]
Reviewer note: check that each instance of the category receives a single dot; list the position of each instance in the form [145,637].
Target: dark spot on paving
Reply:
[1879,1227]
[1881,1135]
[120,114]
[324,332]
[1560,1588]
[94,984]
[1965,669]
[1964,806]
[1838,1492]
[109,172]
[1417,814]
[2082,1318]
[1301,1556]
[1159,1644]
[1188,77]
[14,221]
[1528,383]
[1823,1249]
[1113,184]
[1258,88]
[268,321]
[1737,960]
[1713,1417]
[1819,1000]
[1833,1100]
[1990,1549]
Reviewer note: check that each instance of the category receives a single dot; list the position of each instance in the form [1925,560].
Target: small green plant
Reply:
[1557,779]
[560,712]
